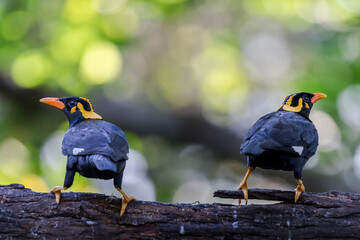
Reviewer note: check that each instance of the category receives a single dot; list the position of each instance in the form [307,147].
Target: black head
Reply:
[301,102]
[76,109]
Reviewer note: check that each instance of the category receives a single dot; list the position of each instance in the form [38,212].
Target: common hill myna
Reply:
[94,148]
[282,140]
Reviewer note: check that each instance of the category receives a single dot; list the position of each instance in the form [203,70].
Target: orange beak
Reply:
[53,102]
[317,97]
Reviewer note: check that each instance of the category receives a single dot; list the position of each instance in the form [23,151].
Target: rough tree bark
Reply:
[28,214]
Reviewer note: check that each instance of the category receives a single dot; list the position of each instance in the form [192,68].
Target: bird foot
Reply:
[57,191]
[244,189]
[298,190]
[125,201]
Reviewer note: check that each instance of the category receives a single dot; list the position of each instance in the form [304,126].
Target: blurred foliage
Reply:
[234,60]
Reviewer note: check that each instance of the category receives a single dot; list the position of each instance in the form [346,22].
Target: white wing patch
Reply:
[76,151]
[298,149]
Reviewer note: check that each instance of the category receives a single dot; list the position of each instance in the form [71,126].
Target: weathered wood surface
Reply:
[28,214]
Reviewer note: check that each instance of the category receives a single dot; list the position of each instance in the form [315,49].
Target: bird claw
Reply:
[298,190]
[244,189]
[125,201]
[57,191]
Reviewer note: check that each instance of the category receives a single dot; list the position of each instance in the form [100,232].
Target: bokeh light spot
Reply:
[30,69]
[321,12]
[193,191]
[329,133]
[15,25]
[349,46]
[357,162]
[268,57]
[79,11]
[219,66]
[348,106]
[35,183]
[122,25]
[50,154]
[69,80]
[108,6]
[69,46]
[350,5]
[101,63]
[14,158]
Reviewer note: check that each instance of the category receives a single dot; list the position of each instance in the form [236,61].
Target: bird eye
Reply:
[72,103]
[306,98]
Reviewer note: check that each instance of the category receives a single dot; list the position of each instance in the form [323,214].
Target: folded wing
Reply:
[96,137]
[279,131]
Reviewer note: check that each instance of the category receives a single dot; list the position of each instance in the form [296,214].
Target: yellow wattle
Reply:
[287,106]
[88,114]
[307,105]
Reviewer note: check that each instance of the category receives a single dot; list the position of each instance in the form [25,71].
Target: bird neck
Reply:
[303,113]
[75,119]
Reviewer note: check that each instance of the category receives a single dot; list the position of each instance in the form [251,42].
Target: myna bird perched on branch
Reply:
[283,140]
[95,148]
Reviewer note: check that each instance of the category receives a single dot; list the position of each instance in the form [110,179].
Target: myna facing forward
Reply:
[283,140]
[95,148]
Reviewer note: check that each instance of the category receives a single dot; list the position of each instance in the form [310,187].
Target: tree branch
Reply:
[27,214]
[327,199]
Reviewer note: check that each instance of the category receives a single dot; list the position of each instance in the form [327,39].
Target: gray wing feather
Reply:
[102,163]
[281,132]
[256,135]
[96,137]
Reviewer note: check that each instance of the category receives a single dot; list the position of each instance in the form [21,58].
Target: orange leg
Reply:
[299,189]
[125,200]
[243,185]
[57,191]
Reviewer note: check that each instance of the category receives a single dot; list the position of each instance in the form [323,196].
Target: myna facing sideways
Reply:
[282,140]
[95,148]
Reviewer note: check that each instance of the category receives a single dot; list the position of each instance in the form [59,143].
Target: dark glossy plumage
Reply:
[97,148]
[281,140]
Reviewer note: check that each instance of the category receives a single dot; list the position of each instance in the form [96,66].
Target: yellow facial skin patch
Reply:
[88,101]
[287,106]
[88,114]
